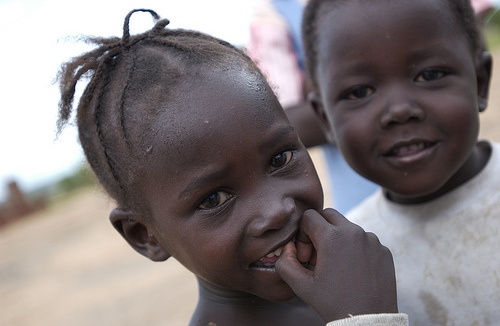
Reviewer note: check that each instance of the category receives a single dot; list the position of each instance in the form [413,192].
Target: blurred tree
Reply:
[82,177]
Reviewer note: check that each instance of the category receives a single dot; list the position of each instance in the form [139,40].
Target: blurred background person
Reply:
[483,8]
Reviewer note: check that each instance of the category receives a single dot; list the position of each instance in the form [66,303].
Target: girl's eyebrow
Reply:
[202,180]
[216,174]
[276,137]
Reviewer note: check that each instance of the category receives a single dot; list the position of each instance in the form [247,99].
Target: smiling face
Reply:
[227,181]
[399,89]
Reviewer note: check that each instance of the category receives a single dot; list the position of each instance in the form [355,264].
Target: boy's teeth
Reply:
[410,148]
[276,252]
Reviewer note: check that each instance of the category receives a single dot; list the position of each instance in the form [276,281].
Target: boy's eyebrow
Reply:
[359,68]
[422,54]
[416,55]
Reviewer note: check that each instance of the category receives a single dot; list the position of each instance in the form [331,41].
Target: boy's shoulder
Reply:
[492,168]
[367,210]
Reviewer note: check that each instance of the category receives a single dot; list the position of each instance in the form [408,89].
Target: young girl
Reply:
[186,136]
[400,87]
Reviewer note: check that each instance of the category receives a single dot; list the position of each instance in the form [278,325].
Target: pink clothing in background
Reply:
[483,6]
[270,46]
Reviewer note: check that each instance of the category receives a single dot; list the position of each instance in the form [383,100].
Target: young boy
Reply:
[400,85]
[187,137]
[275,45]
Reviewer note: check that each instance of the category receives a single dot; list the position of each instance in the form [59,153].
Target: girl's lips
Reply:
[268,260]
[276,252]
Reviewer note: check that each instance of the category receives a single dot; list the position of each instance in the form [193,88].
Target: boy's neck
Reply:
[223,307]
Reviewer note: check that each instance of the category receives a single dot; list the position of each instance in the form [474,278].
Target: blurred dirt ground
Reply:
[67,266]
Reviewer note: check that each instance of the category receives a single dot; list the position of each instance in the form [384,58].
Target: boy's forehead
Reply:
[346,21]
[372,9]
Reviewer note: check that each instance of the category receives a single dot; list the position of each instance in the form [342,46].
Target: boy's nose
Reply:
[400,108]
[271,215]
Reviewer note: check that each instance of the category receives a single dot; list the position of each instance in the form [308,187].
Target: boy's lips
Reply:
[408,153]
[408,148]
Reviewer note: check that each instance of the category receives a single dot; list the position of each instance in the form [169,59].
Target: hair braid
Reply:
[112,124]
[70,75]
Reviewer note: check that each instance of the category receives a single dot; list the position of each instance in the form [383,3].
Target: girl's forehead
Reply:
[220,123]
[217,93]
[236,103]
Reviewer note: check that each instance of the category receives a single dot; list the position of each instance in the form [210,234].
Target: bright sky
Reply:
[36,39]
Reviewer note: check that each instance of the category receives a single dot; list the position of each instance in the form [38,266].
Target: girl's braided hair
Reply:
[111,116]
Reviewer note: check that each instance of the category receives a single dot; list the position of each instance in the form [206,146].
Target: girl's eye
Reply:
[358,92]
[430,75]
[214,199]
[281,159]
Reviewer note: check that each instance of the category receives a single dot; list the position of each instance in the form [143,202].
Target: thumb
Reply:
[291,270]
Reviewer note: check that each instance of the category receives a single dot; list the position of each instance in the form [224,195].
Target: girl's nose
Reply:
[271,215]
[400,108]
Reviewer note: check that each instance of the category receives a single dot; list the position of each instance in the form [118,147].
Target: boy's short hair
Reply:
[462,11]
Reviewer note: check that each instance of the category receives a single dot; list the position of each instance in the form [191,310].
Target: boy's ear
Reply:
[484,64]
[137,235]
[314,99]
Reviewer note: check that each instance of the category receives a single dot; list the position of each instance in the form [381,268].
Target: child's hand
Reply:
[353,272]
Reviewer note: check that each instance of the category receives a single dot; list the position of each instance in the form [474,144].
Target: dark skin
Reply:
[309,125]
[324,240]
[409,123]
[227,185]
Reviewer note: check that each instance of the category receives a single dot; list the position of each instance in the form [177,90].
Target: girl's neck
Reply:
[223,307]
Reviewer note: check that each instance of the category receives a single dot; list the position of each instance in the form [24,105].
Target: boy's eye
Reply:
[214,199]
[430,75]
[358,92]
[281,159]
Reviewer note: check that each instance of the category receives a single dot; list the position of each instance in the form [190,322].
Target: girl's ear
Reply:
[483,72]
[137,234]
[314,99]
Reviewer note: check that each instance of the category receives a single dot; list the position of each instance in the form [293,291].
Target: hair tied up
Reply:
[159,26]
